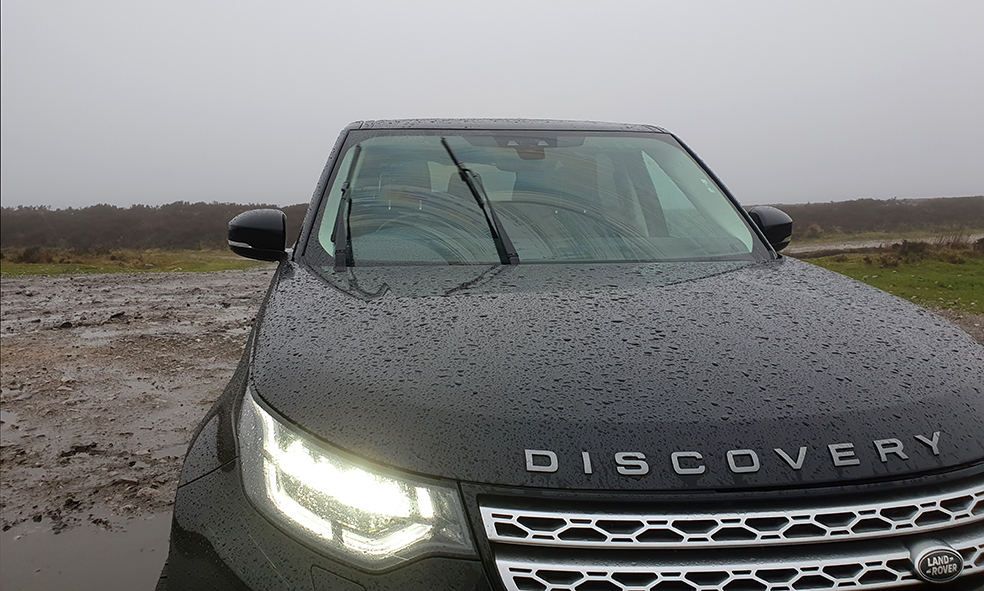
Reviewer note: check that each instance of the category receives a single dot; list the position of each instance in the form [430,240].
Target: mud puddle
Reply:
[107,554]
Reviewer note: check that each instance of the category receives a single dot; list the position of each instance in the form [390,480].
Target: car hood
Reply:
[455,372]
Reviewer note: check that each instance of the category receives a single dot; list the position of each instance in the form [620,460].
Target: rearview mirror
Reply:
[774,223]
[259,234]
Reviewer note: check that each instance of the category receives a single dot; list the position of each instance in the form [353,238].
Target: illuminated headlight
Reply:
[373,518]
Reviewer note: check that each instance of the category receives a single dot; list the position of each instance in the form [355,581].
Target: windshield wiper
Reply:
[503,245]
[342,234]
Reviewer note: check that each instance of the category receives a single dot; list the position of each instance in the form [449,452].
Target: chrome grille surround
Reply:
[863,572]
[752,528]
[862,546]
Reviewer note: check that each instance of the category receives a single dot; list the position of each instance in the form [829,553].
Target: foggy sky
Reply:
[137,102]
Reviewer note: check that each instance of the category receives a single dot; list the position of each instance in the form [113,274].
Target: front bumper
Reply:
[220,542]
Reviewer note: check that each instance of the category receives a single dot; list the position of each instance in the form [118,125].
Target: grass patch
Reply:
[35,261]
[940,274]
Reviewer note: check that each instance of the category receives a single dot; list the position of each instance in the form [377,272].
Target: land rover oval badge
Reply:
[938,564]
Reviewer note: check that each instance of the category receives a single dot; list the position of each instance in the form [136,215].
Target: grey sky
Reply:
[138,102]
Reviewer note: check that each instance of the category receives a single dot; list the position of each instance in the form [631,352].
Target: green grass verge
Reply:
[126,261]
[926,282]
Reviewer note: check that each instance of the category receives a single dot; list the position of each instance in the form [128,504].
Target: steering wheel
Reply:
[454,242]
[412,220]
[592,213]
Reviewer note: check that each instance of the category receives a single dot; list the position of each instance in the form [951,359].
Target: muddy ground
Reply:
[104,378]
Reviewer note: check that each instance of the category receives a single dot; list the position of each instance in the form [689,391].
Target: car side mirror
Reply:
[259,234]
[774,223]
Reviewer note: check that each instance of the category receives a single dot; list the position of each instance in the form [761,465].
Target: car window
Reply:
[325,236]
[683,218]
[560,197]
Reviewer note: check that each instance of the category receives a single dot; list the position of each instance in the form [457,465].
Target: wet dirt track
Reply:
[104,378]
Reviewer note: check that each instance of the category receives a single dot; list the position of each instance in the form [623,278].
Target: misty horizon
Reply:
[121,103]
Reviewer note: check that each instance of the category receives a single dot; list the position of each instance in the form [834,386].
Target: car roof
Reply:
[533,124]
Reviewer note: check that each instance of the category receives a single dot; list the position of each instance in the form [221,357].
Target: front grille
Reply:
[881,571]
[749,528]
[863,544]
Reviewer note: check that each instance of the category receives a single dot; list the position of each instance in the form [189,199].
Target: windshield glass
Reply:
[559,197]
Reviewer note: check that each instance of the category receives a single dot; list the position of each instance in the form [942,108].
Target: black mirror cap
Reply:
[774,223]
[259,234]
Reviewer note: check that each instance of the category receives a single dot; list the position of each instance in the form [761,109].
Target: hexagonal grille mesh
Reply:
[863,546]
[751,528]
[858,572]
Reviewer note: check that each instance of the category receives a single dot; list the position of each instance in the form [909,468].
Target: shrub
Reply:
[813,231]
[951,256]
[910,251]
[888,260]
[33,255]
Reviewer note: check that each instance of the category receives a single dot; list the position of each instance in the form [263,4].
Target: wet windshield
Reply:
[559,197]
